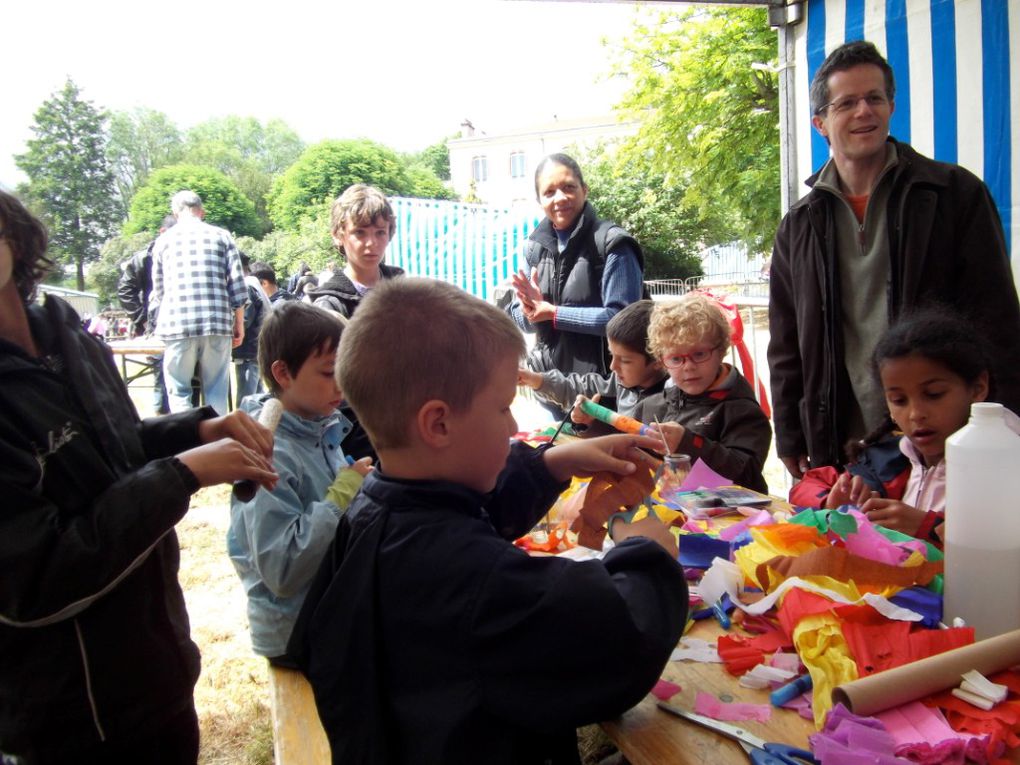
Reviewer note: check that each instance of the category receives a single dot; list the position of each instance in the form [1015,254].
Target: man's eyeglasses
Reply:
[875,100]
[675,360]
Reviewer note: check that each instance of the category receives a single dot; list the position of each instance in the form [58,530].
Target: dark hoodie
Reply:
[724,426]
[339,294]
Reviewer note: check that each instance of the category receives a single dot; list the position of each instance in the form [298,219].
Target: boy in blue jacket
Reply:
[428,637]
[277,539]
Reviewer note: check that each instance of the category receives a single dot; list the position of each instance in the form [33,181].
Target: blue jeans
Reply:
[212,355]
[248,381]
[160,405]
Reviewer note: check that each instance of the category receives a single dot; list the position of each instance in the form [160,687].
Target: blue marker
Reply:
[349,458]
[720,615]
[791,690]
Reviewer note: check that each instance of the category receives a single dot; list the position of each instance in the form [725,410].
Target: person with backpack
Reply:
[582,272]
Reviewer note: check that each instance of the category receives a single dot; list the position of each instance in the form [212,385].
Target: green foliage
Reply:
[69,177]
[436,158]
[324,170]
[248,153]
[707,93]
[651,208]
[425,184]
[105,272]
[139,142]
[224,204]
[310,243]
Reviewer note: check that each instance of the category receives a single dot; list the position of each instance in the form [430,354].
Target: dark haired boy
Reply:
[427,634]
[634,373]
[276,541]
[266,275]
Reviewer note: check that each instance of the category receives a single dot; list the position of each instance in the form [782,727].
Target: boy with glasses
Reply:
[708,408]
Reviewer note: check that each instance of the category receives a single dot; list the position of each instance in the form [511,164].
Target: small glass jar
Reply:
[672,473]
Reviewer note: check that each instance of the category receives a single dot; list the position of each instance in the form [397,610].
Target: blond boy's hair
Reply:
[414,340]
[691,320]
[362,205]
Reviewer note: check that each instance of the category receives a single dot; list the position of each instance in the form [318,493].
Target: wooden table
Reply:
[130,350]
[648,735]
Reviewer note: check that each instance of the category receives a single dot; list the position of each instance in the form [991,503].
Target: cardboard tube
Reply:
[913,681]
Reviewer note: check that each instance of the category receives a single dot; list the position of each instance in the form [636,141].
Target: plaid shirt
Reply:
[197,280]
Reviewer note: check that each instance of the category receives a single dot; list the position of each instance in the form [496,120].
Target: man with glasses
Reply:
[882,231]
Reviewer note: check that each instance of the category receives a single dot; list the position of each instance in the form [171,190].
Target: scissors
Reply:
[758,751]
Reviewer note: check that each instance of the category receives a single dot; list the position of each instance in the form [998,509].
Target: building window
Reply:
[479,169]
[517,163]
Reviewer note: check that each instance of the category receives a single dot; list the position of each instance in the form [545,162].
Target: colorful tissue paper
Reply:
[699,550]
[733,531]
[848,739]
[876,647]
[665,690]
[708,705]
[703,477]
[737,655]
[921,601]
[922,735]
[838,563]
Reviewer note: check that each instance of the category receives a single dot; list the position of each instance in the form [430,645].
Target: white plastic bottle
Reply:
[982,581]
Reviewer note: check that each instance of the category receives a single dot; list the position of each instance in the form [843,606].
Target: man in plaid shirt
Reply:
[198,288]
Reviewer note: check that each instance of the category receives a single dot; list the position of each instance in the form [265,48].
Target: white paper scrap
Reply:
[695,649]
[976,683]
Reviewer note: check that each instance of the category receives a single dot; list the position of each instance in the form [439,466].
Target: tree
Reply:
[247,152]
[140,141]
[324,170]
[653,210]
[425,184]
[311,243]
[224,204]
[706,90]
[106,270]
[435,157]
[69,177]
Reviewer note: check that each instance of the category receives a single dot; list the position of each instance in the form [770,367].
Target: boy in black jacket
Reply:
[427,636]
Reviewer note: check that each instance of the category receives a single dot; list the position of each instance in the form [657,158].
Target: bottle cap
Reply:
[986,411]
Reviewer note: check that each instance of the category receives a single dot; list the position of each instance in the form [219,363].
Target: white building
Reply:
[499,168]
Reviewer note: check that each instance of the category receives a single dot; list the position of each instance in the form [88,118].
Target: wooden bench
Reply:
[298,738]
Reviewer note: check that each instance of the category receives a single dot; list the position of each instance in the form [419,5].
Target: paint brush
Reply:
[563,422]
[662,435]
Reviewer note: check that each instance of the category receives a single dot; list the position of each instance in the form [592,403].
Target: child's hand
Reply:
[649,527]
[849,490]
[614,454]
[241,427]
[579,417]
[228,460]
[673,432]
[529,379]
[362,467]
[893,514]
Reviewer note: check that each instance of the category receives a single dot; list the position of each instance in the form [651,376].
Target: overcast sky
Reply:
[401,72]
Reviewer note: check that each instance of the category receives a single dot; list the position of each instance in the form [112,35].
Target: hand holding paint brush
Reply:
[614,419]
